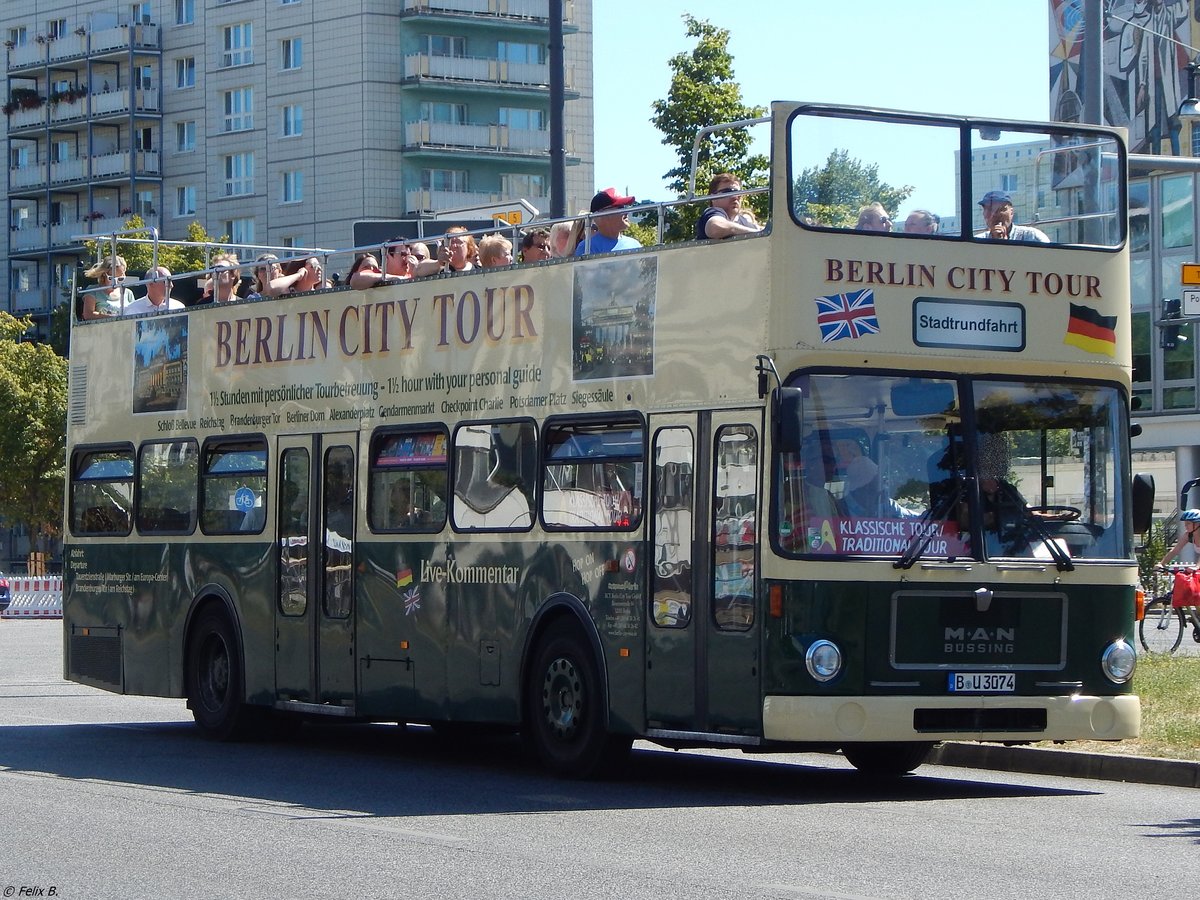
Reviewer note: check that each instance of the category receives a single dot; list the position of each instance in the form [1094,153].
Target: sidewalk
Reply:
[1068,763]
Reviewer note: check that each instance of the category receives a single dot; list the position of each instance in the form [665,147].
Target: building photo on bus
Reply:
[826,483]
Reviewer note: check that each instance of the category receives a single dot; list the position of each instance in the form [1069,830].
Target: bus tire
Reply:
[887,760]
[564,707]
[215,680]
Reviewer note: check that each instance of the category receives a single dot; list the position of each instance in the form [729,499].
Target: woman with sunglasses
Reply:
[725,215]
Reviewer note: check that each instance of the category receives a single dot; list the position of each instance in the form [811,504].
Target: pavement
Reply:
[1068,763]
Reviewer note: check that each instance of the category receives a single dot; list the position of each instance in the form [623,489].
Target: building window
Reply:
[239,174]
[185,72]
[446,45]
[239,49]
[143,139]
[293,121]
[512,52]
[185,12]
[185,201]
[143,204]
[516,185]
[143,77]
[185,137]
[1008,182]
[454,180]
[139,13]
[56,28]
[240,231]
[292,52]
[293,187]
[19,36]
[444,113]
[239,109]
[287,241]
[287,3]
[524,119]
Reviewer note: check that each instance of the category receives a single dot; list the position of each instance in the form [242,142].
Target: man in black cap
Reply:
[610,220]
[998,221]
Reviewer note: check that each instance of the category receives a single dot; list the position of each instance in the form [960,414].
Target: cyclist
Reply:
[1191,534]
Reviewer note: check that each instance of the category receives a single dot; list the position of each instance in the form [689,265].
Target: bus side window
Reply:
[102,492]
[492,487]
[234,487]
[166,486]
[407,483]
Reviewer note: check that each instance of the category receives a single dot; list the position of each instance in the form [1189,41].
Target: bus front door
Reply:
[702,653]
[314,622]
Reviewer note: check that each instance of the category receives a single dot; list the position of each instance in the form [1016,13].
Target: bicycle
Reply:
[1162,624]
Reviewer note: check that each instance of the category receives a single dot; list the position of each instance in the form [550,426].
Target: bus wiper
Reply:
[919,541]
[1062,560]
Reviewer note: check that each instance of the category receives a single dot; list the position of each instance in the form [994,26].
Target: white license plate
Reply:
[983,682]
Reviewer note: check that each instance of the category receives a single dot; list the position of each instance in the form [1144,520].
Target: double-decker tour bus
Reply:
[822,486]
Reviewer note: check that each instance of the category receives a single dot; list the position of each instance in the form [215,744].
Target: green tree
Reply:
[833,194]
[33,432]
[703,92]
[178,259]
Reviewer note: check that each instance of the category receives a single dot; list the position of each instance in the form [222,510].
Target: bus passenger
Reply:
[865,496]
[495,250]
[398,264]
[873,217]
[562,244]
[418,253]
[158,294]
[100,303]
[998,221]
[308,274]
[222,285]
[456,254]
[921,221]
[606,234]
[365,272]
[725,215]
[535,245]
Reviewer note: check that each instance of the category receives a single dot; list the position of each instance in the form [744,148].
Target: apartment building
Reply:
[275,122]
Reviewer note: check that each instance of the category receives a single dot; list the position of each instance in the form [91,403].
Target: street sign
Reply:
[1191,302]
[516,212]
[1190,274]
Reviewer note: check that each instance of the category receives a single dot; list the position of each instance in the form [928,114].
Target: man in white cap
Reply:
[610,219]
[864,496]
[998,221]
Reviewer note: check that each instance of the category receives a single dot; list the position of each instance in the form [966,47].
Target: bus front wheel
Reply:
[564,707]
[215,678]
[887,760]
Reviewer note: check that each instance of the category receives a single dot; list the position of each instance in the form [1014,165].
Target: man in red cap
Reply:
[608,223]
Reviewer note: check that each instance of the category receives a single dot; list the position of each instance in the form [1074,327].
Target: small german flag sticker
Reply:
[1089,330]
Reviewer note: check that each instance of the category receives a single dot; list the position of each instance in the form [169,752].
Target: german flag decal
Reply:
[1090,331]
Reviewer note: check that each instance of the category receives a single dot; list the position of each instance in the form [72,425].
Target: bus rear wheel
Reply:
[564,708]
[215,680]
[887,760]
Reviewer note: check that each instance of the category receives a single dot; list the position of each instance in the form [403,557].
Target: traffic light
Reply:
[1170,337]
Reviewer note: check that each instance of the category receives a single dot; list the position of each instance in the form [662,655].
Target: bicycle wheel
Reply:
[1161,629]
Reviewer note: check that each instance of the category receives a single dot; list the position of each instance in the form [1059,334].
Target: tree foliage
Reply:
[33,432]
[703,92]
[833,194]
[138,256]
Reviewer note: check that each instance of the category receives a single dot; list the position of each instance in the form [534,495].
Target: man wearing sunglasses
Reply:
[726,216]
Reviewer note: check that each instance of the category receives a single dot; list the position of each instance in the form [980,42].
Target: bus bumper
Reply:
[1008,718]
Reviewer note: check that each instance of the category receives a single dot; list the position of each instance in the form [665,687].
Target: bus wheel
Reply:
[887,760]
[564,708]
[214,679]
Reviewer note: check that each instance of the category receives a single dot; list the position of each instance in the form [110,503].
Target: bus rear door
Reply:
[702,629]
[314,615]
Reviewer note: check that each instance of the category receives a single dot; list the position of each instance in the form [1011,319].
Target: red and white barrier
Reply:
[40,598]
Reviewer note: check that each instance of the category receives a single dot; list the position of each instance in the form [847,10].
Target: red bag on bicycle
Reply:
[1186,591]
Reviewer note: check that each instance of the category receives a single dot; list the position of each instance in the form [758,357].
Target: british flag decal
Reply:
[847,315]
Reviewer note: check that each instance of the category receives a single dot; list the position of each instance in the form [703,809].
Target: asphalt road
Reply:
[104,796]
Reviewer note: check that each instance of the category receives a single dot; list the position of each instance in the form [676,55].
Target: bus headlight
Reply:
[1118,662]
[823,660]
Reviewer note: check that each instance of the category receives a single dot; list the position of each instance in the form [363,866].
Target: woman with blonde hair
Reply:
[111,297]
[224,282]
[456,254]
[308,274]
[270,279]
[495,250]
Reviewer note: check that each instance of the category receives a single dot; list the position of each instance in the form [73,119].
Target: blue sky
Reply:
[971,57]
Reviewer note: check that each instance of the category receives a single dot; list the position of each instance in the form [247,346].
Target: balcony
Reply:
[28,118]
[65,170]
[30,237]
[105,42]
[122,102]
[473,70]
[23,178]
[533,11]
[31,299]
[488,139]
[117,164]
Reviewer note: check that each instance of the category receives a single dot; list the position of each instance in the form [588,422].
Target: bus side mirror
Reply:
[789,413]
[1143,502]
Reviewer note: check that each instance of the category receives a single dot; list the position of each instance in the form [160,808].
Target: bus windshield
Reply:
[935,467]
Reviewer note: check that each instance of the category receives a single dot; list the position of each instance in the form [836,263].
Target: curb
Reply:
[1068,763]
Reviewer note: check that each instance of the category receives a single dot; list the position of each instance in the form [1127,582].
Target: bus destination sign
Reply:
[968,325]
